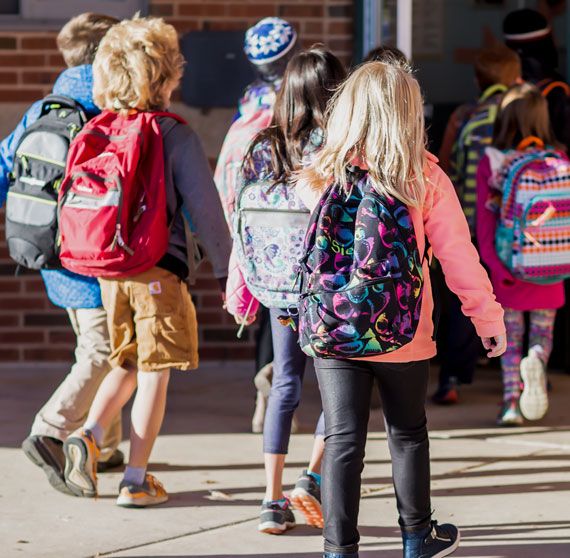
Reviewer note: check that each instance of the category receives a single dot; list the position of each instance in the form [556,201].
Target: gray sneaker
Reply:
[47,453]
[306,498]
[275,520]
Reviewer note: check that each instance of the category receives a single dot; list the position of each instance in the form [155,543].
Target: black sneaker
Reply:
[439,541]
[306,498]
[116,460]
[274,519]
[47,453]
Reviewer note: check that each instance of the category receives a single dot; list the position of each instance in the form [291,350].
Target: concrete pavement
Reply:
[508,490]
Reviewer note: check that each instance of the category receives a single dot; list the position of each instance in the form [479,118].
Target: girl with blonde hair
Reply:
[376,128]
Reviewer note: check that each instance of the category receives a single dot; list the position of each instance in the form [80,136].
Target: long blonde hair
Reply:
[376,118]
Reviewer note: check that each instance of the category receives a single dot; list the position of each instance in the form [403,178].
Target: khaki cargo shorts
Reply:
[152,321]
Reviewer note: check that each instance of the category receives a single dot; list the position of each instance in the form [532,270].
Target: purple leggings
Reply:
[288,372]
[540,335]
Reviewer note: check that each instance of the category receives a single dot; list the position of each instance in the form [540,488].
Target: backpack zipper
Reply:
[366,283]
[23,154]
[32,198]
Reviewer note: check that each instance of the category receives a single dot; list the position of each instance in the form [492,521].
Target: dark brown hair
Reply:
[497,65]
[308,84]
[523,112]
[388,55]
[80,36]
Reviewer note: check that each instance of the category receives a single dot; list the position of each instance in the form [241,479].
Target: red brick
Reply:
[252,10]
[20,95]
[227,25]
[8,43]
[161,9]
[34,285]
[9,320]
[341,27]
[207,317]
[18,60]
[9,286]
[62,336]
[295,10]
[8,78]
[185,25]
[56,60]
[22,337]
[205,9]
[342,45]
[49,354]
[9,354]
[42,78]
[226,353]
[29,303]
[38,43]
[313,27]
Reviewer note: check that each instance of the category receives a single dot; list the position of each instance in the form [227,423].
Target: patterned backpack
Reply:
[361,278]
[270,224]
[533,234]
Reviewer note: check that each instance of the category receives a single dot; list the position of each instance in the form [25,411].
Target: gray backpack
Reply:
[39,168]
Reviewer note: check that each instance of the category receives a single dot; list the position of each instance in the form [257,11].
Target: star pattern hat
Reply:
[268,40]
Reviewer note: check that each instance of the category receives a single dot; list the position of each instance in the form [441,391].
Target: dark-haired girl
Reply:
[294,135]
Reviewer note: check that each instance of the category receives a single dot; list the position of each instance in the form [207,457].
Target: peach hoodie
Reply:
[442,220]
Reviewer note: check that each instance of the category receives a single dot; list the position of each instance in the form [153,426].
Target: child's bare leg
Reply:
[113,394]
[147,415]
[317,455]
[274,465]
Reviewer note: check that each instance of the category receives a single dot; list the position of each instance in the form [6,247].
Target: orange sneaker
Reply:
[81,454]
[149,493]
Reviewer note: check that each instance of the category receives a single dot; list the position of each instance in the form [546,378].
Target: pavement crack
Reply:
[173,538]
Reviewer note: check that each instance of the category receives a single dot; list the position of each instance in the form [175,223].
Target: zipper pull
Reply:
[118,240]
[287,321]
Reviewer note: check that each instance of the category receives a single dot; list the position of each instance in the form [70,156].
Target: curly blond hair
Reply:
[137,66]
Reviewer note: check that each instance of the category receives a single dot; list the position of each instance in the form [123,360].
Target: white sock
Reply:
[134,475]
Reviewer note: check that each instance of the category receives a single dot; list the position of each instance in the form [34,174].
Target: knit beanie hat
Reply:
[528,33]
[525,25]
[269,40]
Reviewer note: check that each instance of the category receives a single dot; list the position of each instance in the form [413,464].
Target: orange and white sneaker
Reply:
[81,455]
[149,493]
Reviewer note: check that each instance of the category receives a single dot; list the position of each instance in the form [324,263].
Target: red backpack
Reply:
[112,202]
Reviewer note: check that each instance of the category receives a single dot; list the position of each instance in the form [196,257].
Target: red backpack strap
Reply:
[167,114]
[548,87]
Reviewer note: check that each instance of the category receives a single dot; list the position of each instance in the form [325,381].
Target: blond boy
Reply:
[152,320]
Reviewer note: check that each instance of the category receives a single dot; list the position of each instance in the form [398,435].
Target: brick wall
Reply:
[31,329]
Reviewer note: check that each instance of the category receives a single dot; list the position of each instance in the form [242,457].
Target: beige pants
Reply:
[66,410]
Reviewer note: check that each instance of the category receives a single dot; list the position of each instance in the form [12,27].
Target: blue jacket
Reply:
[64,289]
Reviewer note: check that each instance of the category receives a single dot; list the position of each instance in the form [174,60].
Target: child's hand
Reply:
[495,345]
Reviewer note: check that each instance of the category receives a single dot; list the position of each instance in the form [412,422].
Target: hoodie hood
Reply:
[77,83]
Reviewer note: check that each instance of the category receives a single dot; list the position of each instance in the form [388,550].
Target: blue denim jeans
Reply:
[288,372]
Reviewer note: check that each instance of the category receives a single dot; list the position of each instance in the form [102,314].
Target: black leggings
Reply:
[346,387]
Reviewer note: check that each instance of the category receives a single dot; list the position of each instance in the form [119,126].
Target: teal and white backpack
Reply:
[270,223]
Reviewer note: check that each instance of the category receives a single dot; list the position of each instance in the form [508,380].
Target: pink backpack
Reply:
[112,202]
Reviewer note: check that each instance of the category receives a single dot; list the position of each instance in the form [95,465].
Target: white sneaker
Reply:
[534,397]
